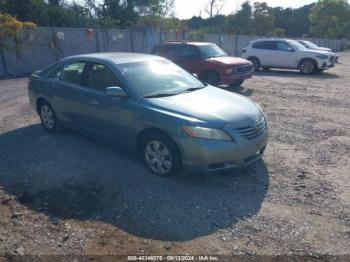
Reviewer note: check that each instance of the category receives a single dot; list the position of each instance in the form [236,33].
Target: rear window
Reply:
[55,72]
[267,45]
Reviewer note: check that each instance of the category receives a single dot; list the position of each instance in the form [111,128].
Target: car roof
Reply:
[270,39]
[117,57]
[185,43]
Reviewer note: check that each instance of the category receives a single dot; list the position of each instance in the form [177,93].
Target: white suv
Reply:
[285,53]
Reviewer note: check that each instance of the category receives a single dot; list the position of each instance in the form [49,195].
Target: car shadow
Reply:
[241,89]
[294,73]
[69,176]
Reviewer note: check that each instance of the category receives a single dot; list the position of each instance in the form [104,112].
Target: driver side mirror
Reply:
[289,49]
[116,91]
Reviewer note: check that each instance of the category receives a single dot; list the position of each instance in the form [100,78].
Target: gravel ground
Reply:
[71,194]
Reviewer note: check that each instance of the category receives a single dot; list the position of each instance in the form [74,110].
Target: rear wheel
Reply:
[161,154]
[212,78]
[308,66]
[48,117]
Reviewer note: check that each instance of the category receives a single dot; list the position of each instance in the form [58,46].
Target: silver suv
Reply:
[285,53]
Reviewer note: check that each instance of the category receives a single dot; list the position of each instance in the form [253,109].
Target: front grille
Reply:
[251,132]
[244,68]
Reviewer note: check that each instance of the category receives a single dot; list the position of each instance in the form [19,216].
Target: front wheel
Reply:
[161,155]
[48,117]
[212,78]
[255,62]
[308,67]
[237,84]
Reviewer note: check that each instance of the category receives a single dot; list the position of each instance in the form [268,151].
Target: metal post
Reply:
[97,41]
[131,32]
[236,45]
[54,42]
[108,44]
[3,61]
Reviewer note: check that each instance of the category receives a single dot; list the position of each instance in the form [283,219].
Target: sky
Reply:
[185,9]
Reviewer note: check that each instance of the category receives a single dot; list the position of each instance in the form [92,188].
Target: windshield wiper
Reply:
[160,95]
[190,89]
[174,94]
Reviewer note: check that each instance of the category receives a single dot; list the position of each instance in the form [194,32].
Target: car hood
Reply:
[323,49]
[229,60]
[210,105]
[315,52]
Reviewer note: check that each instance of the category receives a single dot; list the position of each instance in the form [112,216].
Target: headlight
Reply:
[206,133]
[322,56]
[229,71]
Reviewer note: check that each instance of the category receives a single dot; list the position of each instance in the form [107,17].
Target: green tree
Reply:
[13,31]
[294,21]
[126,12]
[242,21]
[330,18]
[263,19]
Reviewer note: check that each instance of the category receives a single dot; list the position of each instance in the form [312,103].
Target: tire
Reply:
[308,66]
[212,78]
[160,154]
[48,117]
[256,62]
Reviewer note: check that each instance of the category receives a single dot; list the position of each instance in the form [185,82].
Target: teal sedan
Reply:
[153,107]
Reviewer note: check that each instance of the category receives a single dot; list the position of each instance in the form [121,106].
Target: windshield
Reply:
[208,51]
[310,44]
[296,45]
[159,78]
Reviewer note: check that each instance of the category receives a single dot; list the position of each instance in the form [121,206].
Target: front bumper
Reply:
[239,74]
[233,79]
[205,156]
[328,63]
[325,64]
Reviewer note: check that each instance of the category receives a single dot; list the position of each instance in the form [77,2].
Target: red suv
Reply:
[208,61]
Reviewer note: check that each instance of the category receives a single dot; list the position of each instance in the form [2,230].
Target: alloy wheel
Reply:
[307,67]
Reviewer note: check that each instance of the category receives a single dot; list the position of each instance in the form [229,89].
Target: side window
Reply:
[267,45]
[73,72]
[172,50]
[190,52]
[102,77]
[55,72]
[281,46]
